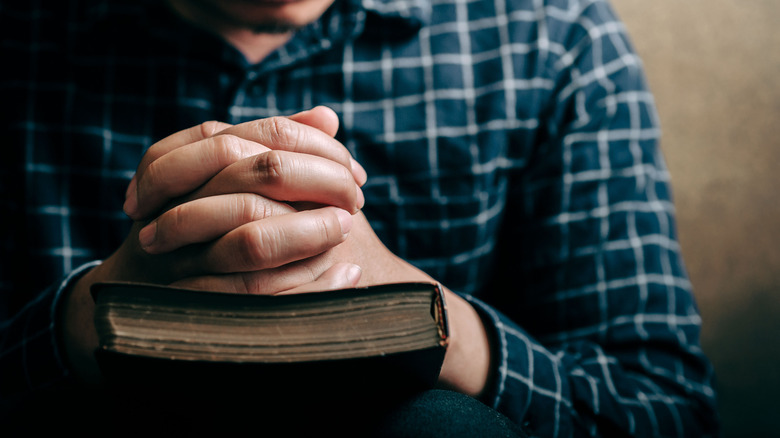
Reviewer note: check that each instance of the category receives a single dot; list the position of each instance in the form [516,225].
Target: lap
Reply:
[433,413]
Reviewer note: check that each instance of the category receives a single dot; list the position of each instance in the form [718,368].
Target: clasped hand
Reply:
[263,207]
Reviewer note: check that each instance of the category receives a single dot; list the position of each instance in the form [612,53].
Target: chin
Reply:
[272,14]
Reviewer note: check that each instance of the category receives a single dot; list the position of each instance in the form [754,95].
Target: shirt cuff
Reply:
[56,309]
[528,381]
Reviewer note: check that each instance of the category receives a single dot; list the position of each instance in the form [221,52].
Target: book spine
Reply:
[440,315]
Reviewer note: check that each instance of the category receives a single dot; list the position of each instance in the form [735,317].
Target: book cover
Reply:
[356,342]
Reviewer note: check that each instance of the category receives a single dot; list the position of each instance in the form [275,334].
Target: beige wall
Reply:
[714,66]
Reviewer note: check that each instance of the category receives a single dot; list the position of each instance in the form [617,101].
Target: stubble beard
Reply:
[229,21]
[271,28]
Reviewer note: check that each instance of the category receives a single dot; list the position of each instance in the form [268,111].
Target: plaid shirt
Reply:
[512,153]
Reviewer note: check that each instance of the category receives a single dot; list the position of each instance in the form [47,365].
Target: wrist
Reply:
[468,362]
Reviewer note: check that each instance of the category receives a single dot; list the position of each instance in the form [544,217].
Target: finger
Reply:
[291,278]
[339,276]
[360,174]
[205,219]
[167,144]
[263,282]
[184,169]
[285,133]
[288,177]
[320,117]
[326,120]
[276,241]
[179,139]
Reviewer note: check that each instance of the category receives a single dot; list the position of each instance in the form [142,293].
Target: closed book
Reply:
[361,342]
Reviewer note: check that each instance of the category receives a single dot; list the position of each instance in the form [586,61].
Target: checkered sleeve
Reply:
[30,354]
[605,340]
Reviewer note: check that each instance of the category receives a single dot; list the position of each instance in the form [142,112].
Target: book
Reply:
[387,338]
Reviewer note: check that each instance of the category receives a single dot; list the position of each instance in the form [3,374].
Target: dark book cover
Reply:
[354,344]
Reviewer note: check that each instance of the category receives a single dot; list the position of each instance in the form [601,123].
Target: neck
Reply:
[255,47]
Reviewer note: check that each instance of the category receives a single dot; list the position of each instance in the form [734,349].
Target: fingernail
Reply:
[345,220]
[353,274]
[147,235]
[358,172]
[131,201]
[361,199]
[131,205]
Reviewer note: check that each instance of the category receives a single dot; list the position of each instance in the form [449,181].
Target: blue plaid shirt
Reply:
[512,153]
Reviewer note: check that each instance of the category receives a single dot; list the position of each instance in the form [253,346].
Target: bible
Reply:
[355,342]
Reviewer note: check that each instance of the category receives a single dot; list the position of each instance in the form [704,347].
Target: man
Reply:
[507,149]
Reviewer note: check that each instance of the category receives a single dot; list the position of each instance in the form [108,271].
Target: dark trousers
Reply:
[432,413]
[439,413]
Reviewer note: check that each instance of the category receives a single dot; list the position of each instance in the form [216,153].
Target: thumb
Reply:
[319,117]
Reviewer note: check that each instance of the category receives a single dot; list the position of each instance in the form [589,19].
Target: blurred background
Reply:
[714,66]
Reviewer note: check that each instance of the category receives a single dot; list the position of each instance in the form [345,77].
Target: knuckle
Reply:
[209,128]
[172,220]
[226,148]
[154,178]
[270,167]
[259,248]
[326,229]
[251,208]
[283,132]
[178,217]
